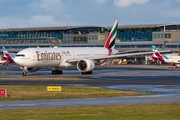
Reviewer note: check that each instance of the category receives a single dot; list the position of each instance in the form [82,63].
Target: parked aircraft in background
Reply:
[84,58]
[9,57]
[3,62]
[155,58]
[167,58]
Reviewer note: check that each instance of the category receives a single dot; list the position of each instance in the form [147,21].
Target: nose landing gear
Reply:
[24,73]
[24,70]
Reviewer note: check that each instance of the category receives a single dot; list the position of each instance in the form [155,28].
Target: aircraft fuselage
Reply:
[54,57]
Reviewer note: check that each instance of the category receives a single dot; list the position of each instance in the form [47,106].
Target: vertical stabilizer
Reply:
[157,54]
[7,55]
[110,42]
[4,50]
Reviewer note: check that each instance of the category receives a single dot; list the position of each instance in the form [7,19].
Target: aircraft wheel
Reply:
[60,72]
[24,74]
[53,72]
[56,72]
[87,73]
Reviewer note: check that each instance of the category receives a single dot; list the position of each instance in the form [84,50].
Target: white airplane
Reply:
[84,58]
[167,58]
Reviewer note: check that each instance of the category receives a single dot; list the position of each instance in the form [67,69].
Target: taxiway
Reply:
[160,79]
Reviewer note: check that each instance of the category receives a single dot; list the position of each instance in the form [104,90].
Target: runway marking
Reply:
[26,104]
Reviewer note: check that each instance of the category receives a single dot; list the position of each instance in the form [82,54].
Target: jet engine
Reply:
[33,69]
[85,66]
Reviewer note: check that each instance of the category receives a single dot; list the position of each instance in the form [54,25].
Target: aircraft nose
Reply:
[17,61]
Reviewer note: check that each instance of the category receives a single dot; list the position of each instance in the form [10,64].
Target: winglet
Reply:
[110,42]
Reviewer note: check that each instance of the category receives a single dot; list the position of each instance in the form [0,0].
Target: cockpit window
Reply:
[20,55]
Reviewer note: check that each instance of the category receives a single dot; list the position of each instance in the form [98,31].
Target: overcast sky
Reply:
[52,13]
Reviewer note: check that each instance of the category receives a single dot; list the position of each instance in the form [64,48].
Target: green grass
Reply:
[116,112]
[120,112]
[28,92]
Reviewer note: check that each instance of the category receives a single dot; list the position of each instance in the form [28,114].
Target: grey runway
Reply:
[148,99]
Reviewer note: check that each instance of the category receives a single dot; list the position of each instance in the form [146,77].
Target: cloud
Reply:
[126,3]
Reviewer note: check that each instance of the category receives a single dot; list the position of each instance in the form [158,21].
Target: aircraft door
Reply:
[73,55]
[92,54]
[33,56]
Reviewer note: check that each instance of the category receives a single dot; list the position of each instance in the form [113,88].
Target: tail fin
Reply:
[110,42]
[4,50]
[7,56]
[157,54]
[154,49]
[154,57]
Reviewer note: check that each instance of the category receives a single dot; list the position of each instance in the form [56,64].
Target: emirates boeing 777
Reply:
[84,58]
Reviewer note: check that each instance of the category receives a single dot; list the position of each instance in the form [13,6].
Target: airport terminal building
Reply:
[128,37]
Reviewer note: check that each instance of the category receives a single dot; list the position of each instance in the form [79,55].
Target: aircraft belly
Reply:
[47,63]
[170,60]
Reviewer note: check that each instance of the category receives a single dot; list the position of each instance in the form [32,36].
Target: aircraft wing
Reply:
[112,56]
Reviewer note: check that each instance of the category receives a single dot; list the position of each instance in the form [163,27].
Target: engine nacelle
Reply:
[85,65]
[33,69]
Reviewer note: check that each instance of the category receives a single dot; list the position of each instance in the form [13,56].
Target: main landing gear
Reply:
[87,73]
[24,71]
[57,71]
